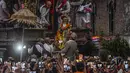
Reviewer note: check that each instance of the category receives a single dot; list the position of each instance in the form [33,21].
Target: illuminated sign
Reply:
[95,38]
[96,41]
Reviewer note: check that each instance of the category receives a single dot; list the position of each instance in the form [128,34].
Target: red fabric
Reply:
[88,9]
[49,27]
[52,10]
[22,6]
[62,4]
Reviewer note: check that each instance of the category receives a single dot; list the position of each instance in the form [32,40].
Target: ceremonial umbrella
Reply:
[24,16]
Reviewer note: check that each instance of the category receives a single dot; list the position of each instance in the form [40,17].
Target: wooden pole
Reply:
[21,56]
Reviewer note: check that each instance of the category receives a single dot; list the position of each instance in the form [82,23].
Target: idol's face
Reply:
[65,20]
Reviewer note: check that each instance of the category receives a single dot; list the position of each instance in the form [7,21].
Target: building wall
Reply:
[127,15]
[121,18]
[101,17]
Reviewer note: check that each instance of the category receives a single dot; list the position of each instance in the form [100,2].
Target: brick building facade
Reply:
[121,17]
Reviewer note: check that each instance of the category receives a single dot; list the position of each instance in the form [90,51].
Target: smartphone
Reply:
[100,65]
[108,66]
[14,68]
[126,66]
[45,56]
[23,65]
[88,64]
[54,57]
[54,64]
[40,64]
[94,66]
[66,68]
[43,64]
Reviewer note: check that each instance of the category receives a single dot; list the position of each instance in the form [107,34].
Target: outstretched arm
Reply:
[44,11]
[62,4]
[68,8]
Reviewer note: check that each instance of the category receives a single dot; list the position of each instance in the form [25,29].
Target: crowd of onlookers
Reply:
[61,64]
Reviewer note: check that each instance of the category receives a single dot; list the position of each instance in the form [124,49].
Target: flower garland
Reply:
[66,27]
[60,37]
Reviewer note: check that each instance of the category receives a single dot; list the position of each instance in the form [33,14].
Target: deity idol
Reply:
[63,32]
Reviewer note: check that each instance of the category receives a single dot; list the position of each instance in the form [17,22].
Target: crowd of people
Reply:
[60,64]
[46,58]
[63,55]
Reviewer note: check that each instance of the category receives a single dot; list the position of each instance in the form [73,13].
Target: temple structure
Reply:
[108,16]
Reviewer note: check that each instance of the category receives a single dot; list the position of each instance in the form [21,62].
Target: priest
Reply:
[44,11]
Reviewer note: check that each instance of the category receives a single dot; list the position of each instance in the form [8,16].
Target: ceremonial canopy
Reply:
[24,16]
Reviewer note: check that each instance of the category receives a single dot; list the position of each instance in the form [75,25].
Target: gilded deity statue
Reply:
[63,32]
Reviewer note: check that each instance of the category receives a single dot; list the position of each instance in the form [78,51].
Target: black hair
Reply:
[80,66]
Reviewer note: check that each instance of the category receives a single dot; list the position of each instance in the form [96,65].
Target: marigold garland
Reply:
[66,27]
[61,35]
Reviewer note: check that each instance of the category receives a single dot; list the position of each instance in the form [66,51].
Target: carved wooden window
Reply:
[111,9]
[93,16]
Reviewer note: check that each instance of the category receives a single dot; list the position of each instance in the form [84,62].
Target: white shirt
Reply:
[44,14]
[3,15]
[52,47]
[67,8]
[49,48]
[23,65]
[120,71]
[33,60]
[39,48]
[30,50]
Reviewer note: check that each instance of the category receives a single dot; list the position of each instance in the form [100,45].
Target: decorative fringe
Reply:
[24,16]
